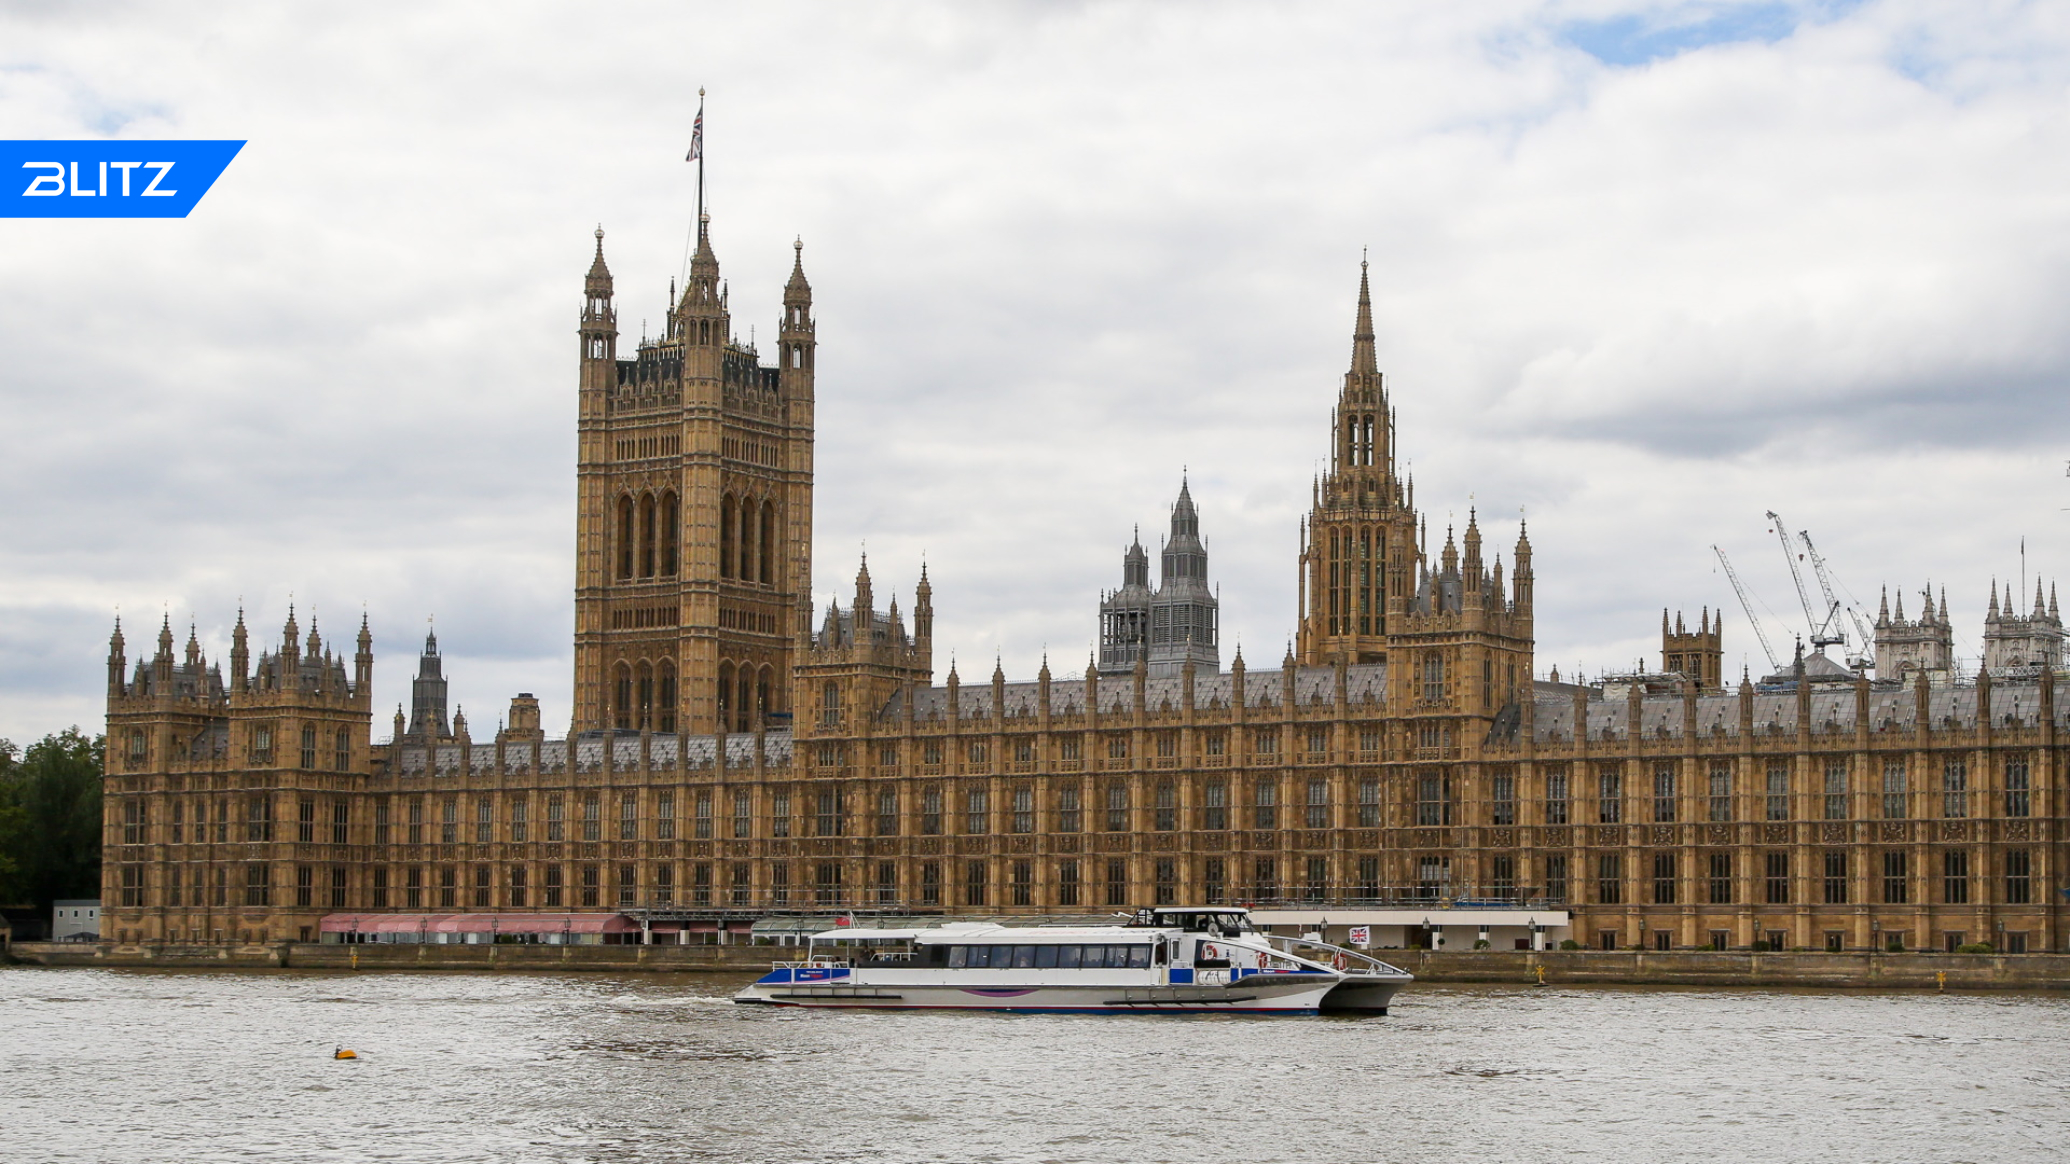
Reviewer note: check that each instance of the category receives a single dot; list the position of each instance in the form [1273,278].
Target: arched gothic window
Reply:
[647,531]
[746,571]
[769,539]
[665,698]
[726,536]
[625,538]
[671,533]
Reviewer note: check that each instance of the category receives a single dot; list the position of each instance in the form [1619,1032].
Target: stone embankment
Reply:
[1909,971]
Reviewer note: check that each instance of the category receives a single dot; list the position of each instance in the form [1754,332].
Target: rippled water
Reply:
[145,1066]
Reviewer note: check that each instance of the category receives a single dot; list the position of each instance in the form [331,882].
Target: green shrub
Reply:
[1974,948]
[1569,944]
[1480,944]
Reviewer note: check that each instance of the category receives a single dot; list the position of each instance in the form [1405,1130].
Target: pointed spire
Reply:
[1993,613]
[599,271]
[2040,607]
[2052,613]
[1363,360]
[1942,614]
[1883,608]
[797,284]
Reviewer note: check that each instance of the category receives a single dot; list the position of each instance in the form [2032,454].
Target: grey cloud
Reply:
[1059,252]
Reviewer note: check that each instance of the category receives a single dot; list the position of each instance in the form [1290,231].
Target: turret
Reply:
[599,323]
[1471,564]
[1521,580]
[118,662]
[428,694]
[865,605]
[162,662]
[795,333]
[290,643]
[240,656]
[923,619]
[363,663]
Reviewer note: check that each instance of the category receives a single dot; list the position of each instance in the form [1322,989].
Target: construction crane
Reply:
[1825,586]
[1822,633]
[1745,604]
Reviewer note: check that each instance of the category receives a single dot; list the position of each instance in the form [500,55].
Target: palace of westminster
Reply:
[735,753]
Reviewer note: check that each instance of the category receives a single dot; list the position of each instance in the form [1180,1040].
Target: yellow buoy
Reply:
[344,1053]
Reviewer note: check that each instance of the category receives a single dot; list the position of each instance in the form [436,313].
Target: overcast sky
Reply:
[1644,270]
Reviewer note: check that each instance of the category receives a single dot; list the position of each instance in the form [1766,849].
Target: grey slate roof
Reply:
[553,755]
[1365,684]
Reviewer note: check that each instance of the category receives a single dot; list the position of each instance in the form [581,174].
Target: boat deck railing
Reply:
[1342,957]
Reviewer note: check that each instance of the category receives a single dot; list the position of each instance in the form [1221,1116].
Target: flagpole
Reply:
[700,159]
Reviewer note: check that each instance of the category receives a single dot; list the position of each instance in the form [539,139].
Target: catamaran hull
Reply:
[1363,994]
[1251,997]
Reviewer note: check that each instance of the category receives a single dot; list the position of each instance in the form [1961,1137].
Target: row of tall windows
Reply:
[1833,883]
[750,540]
[649,535]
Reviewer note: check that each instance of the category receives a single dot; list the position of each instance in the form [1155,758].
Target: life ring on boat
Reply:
[1339,961]
[1263,958]
[1207,951]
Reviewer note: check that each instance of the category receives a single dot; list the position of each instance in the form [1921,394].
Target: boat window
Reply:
[1046,957]
[1067,958]
[1002,957]
[957,956]
[1023,957]
[980,956]
[1139,957]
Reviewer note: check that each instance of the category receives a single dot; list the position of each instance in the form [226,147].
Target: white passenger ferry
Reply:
[1175,960]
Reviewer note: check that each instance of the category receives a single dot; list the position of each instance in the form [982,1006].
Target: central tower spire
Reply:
[1363,360]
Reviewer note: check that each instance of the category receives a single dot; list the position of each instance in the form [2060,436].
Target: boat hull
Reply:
[1260,994]
[1364,994]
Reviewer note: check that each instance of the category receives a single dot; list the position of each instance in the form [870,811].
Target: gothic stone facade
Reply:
[1401,751]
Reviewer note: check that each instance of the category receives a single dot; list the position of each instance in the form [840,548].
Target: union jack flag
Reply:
[696,139]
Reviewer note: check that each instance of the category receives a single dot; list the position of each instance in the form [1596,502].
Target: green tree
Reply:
[50,819]
[13,825]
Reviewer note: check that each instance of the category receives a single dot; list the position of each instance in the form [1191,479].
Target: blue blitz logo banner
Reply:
[108,179]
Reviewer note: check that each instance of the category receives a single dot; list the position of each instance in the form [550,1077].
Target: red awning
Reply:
[478,923]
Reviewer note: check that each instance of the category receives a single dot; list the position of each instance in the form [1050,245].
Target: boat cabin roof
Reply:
[992,933]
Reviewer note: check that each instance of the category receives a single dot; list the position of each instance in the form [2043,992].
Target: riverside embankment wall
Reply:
[1909,971]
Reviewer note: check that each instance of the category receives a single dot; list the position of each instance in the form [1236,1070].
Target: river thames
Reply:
[109,1065]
